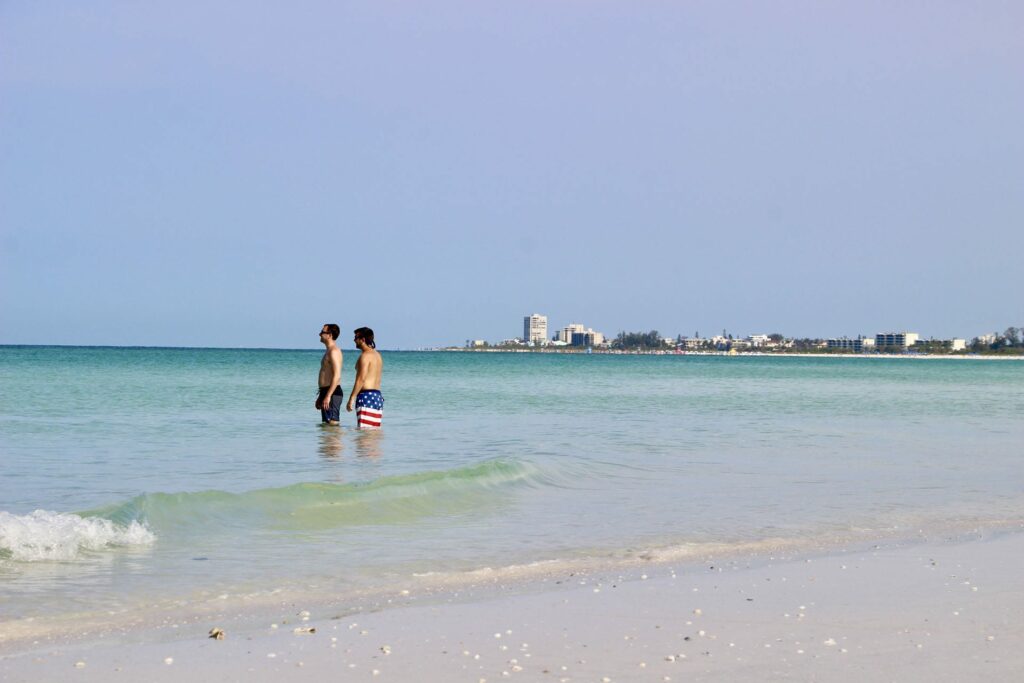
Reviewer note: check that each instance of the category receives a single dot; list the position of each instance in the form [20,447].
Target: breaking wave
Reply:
[401,499]
[57,536]
[309,506]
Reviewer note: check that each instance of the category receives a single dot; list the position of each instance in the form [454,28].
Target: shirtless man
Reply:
[330,396]
[366,396]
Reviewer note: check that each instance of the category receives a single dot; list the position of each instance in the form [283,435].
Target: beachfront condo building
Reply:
[587,338]
[900,340]
[565,334]
[535,329]
[576,334]
[858,345]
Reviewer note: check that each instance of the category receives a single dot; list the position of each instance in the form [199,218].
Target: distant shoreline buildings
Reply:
[577,336]
[535,335]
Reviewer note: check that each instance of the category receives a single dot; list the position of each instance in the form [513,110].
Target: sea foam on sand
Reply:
[57,536]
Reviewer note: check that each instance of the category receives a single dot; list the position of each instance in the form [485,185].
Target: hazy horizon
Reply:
[178,174]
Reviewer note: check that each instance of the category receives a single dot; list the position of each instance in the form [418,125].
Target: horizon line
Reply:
[186,348]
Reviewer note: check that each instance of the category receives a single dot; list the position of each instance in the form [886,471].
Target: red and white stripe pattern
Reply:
[369,409]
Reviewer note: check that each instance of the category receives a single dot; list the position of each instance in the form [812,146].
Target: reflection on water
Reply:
[331,445]
[368,443]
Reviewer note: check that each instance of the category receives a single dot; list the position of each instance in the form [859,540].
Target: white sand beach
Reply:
[939,611]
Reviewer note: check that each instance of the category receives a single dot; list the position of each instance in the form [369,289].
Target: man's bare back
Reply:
[370,366]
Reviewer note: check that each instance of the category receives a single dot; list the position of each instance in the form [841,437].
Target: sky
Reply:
[238,173]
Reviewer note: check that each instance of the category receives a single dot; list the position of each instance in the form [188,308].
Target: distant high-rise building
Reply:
[576,334]
[565,334]
[535,329]
[584,338]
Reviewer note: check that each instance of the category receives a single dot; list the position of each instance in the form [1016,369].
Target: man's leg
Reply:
[321,401]
[333,414]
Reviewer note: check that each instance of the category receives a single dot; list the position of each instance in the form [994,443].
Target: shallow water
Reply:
[180,474]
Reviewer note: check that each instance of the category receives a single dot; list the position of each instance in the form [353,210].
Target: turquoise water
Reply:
[135,477]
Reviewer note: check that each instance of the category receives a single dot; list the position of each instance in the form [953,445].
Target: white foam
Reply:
[44,535]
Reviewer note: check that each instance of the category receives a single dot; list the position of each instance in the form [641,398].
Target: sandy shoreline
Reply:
[925,612]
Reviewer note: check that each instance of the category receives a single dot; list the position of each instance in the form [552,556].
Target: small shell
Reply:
[217,633]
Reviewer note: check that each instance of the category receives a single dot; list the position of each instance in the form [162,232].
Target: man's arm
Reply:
[358,384]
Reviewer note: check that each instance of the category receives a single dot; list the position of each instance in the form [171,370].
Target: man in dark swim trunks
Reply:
[366,396]
[330,396]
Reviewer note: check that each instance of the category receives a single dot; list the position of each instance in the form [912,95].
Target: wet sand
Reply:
[926,612]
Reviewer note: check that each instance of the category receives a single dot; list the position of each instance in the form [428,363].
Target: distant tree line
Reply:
[806,344]
[639,340]
[931,346]
[1010,341]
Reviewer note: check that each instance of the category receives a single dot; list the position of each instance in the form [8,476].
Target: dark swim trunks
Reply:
[333,414]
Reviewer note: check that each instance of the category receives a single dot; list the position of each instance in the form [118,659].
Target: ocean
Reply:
[145,480]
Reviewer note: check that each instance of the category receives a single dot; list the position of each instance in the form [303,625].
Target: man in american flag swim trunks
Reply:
[366,396]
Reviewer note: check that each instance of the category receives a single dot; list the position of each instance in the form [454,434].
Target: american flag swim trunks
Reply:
[369,409]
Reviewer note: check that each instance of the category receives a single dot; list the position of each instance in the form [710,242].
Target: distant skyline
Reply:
[553,330]
[192,174]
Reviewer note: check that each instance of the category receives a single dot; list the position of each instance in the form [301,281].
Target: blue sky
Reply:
[236,173]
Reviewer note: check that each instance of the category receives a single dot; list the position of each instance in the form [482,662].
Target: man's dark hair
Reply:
[366,334]
[333,329]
